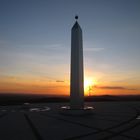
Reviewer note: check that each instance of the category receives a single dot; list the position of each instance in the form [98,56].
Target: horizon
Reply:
[35,46]
[29,95]
[60,95]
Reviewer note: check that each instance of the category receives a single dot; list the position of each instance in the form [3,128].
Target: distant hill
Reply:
[13,99]
[114,98]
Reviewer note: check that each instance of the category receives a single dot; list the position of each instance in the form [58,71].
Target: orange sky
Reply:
[93,85]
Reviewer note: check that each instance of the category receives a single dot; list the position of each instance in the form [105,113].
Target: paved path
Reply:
[110,121]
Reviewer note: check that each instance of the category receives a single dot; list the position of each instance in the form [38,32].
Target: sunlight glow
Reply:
[88,85]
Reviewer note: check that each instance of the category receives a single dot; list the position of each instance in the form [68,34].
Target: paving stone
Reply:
[15,127]
[110,120]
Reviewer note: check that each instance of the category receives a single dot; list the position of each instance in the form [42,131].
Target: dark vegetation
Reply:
[15,99]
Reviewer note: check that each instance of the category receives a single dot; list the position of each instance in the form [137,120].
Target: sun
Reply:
[88,85]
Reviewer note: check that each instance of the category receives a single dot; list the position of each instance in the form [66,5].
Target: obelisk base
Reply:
[86,110]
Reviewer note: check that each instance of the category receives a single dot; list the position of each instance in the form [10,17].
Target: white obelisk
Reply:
[77,70]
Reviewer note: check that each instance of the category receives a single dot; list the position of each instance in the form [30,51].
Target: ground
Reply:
[110,121]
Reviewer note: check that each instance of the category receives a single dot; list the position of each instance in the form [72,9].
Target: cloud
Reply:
[60,81]
[55,45]
[93,49]
[113,87]
[9,77]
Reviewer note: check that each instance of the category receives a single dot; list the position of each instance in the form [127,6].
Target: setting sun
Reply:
[88,85]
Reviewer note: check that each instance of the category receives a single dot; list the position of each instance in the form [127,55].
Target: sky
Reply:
[35,41]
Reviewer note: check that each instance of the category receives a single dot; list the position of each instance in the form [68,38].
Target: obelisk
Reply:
[77,70]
